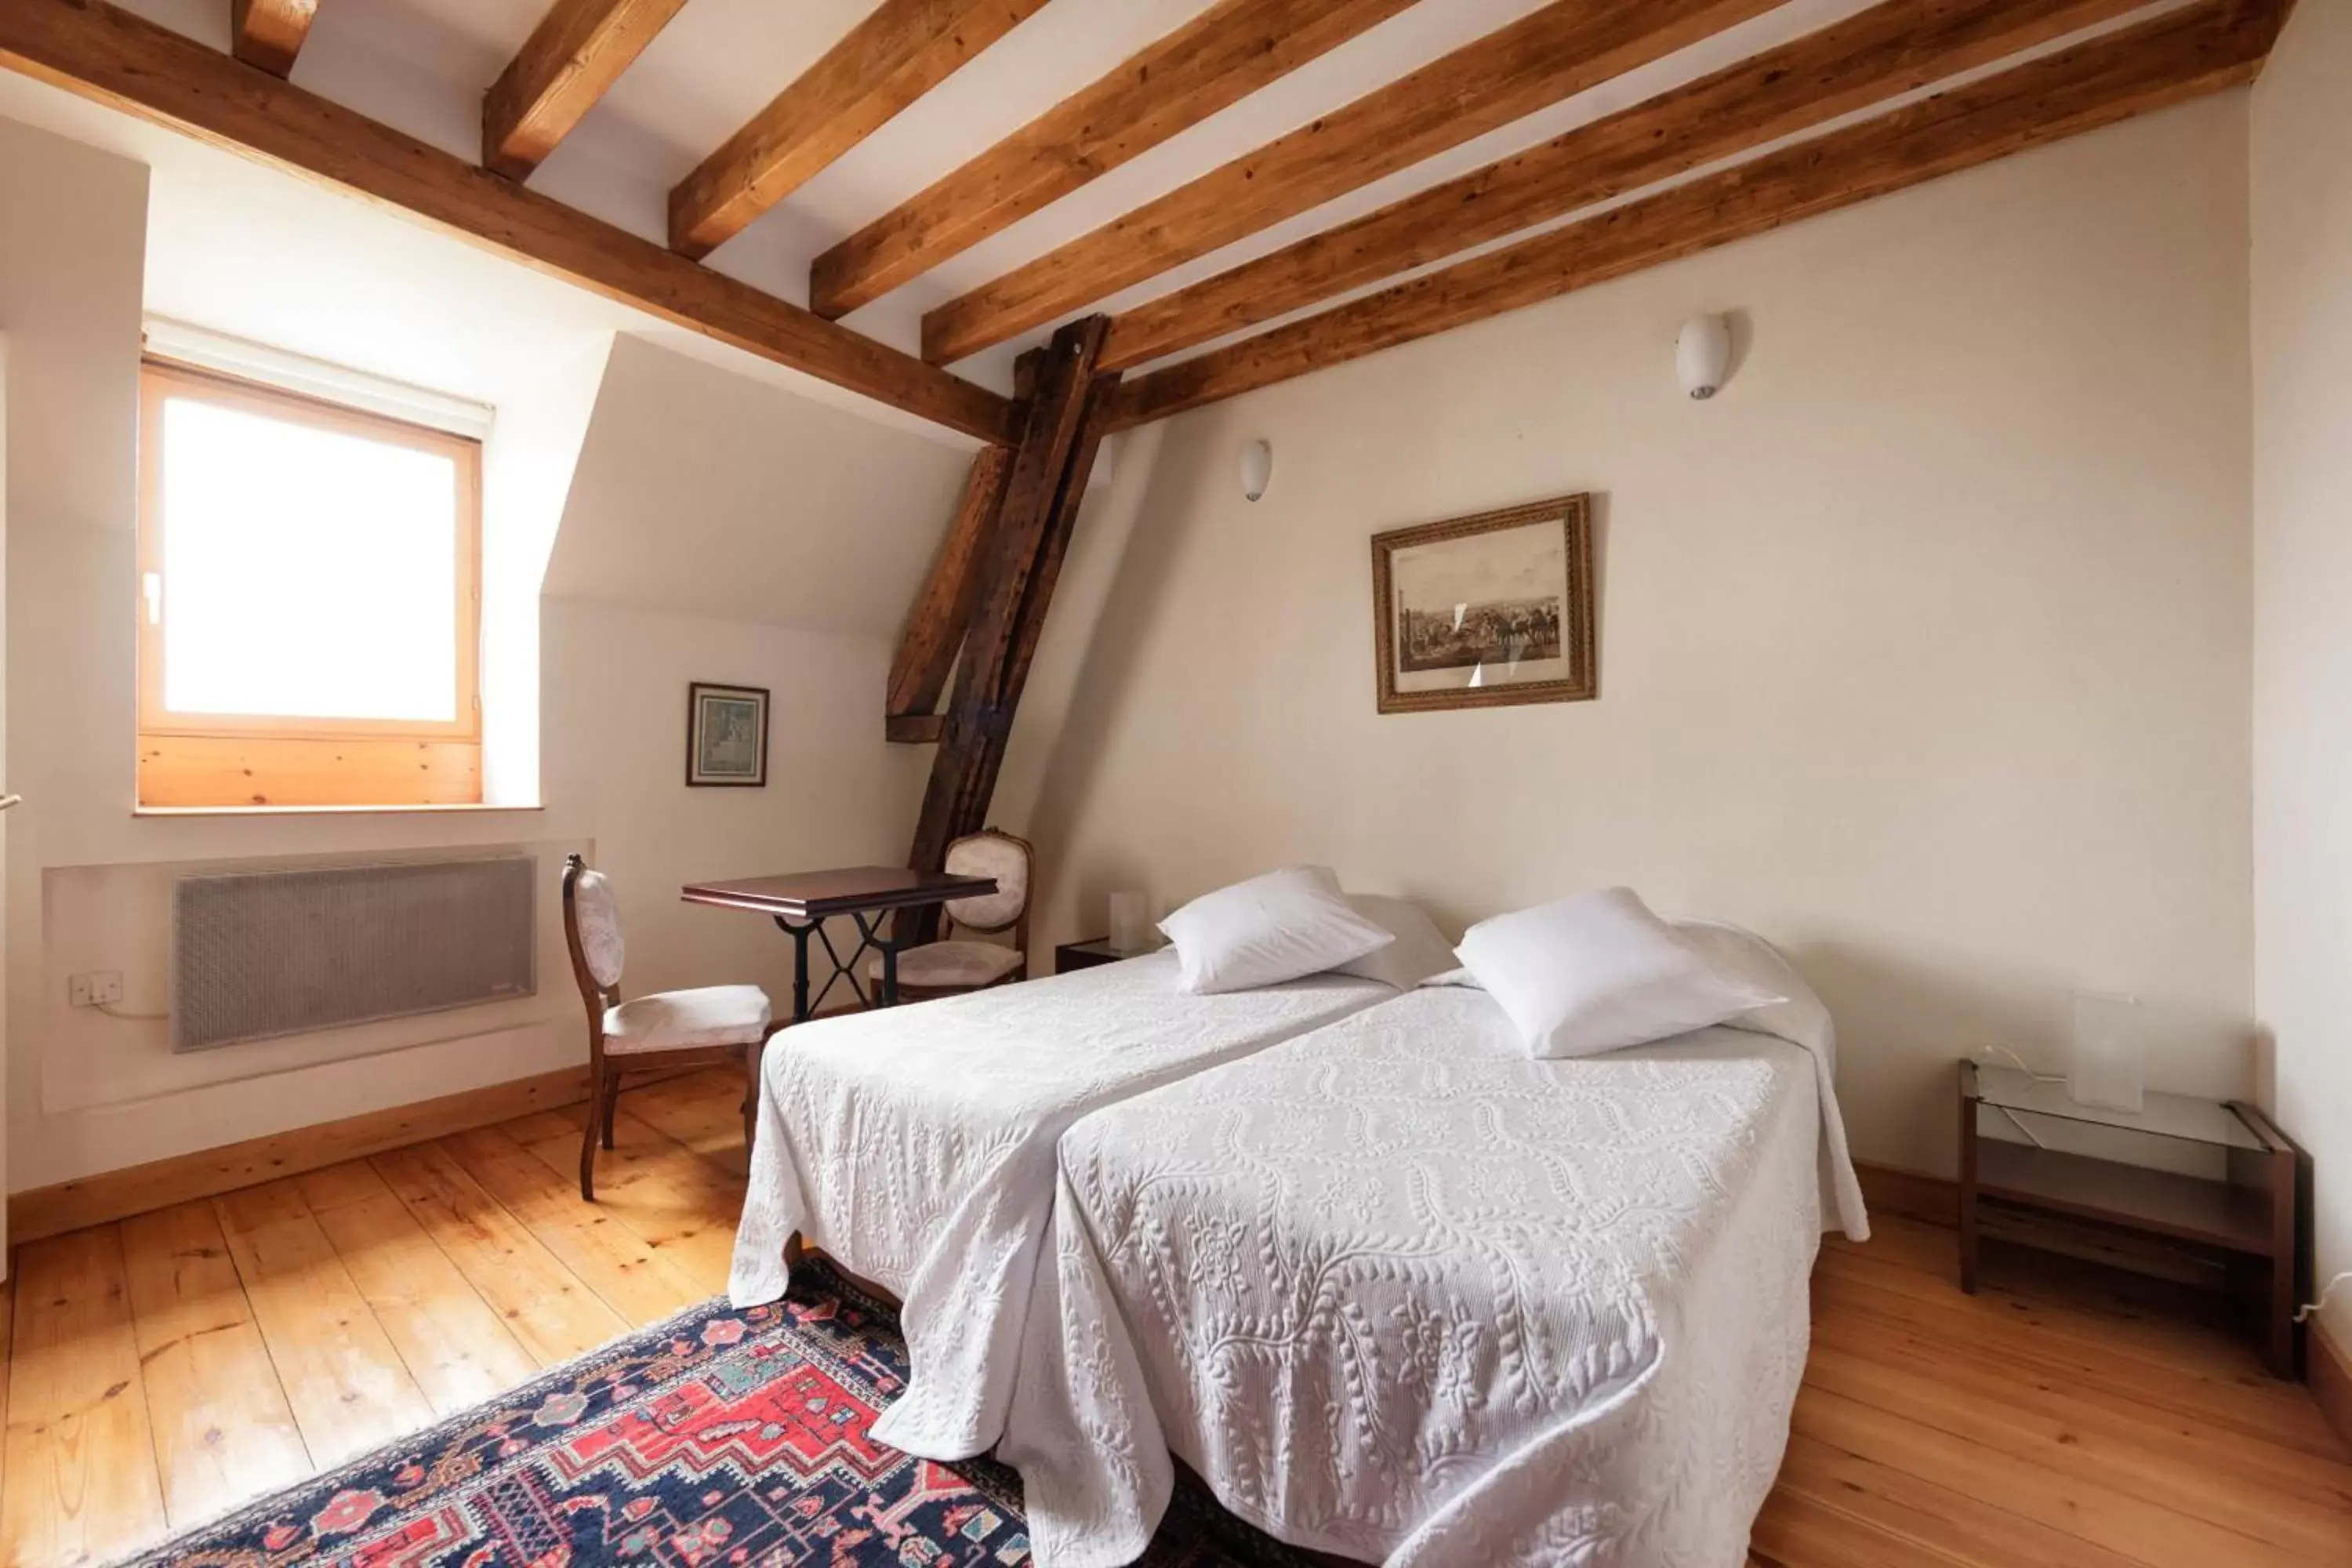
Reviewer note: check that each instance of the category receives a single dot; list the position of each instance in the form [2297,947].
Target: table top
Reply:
[847,890]
[2180,1116]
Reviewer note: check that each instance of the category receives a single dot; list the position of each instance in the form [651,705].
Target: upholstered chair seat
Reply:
[952,966]
[667,1031]
[687,1020]
[946,968]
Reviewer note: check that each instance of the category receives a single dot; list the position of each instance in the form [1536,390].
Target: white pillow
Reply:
[1743,956]
[1266,931]
[1599,971]
[1419,950]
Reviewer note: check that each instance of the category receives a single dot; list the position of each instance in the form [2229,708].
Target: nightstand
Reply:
[1086,955]
[2222,1187]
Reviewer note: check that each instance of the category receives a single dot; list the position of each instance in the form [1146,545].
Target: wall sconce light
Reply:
[1258,468]
[1702,355]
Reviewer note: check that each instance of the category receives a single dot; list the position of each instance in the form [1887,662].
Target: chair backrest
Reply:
[592,929]
[1009,860]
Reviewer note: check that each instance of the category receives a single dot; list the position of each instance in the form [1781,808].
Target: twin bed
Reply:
[1395,1289]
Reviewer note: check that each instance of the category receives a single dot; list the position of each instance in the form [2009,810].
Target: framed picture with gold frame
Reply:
[1483,611]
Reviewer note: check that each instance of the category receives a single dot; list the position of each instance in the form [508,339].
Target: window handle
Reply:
[8,800]
[152,584]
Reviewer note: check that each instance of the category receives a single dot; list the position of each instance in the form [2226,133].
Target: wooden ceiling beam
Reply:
[900,52]
[567,65]
[270,33]
[1894,47]
[1214,61]
[1552,54]
[107,55]
[2181,55]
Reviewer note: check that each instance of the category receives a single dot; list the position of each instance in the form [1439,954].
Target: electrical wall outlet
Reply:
[97,988]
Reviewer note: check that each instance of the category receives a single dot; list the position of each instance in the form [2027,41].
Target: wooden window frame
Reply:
[242,759]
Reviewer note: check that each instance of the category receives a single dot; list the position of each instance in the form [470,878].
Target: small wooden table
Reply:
[800,902]
[2231,1193]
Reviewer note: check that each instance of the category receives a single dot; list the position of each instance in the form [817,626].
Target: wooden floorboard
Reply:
[344,1378]
[79,1483]
[181,1361]
[545,1305]
[222,1430]
[683,1206]
[453,1341]
[626,1274]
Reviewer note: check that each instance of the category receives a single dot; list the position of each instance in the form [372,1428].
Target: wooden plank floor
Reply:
[163,1370]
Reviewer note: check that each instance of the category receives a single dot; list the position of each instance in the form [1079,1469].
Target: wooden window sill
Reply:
[218,773]
[458,807]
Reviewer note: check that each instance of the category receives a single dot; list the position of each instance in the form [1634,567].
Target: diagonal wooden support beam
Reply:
[569,61]
[1545,56]
[2175,57]
[1067,417]
[106,54]
[270,33]
[943,605]
[902,50]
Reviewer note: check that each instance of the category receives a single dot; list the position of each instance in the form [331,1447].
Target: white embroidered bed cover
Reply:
[915,1145]
[1399,1292]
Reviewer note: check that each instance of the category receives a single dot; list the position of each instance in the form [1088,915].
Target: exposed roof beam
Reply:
[1892,48]
[943,604]
[269,33]
[107,55]
[569,61]
[2181,56]
[1217,59]
[1062,431]
[901,51]
[1552,54]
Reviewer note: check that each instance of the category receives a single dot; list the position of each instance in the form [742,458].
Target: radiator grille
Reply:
[255,954]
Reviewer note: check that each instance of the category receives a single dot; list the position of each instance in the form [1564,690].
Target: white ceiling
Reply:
[423,65]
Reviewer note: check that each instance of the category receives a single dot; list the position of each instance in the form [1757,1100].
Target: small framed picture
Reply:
[1476,612]
[726,735]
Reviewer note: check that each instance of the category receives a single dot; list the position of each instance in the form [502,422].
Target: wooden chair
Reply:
[667,1031]
[949,968]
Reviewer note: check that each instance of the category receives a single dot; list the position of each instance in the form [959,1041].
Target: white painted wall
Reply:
[736,531]
[726,532]
[88,1094]
[5,1252]
[1924,647]
[2303,603]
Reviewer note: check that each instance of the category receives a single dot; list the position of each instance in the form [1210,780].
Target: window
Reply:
[309,601]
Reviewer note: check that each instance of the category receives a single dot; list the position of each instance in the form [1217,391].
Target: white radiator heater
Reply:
[261,953]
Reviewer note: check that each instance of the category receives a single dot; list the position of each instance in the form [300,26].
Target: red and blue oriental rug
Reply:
[721,1437]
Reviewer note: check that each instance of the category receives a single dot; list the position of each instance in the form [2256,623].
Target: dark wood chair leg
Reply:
[598,1089]
[610,1103]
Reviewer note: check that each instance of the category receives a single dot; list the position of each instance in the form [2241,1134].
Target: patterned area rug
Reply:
[718,1438]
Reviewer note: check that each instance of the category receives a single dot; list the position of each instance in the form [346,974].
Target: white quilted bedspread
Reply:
[1401,1292]
[916,1145]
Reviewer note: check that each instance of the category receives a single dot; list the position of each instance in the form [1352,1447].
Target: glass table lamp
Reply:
[2108,1068]
[1131,926]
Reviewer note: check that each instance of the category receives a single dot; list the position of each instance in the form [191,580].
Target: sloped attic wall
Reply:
[722,530]
[777,538]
